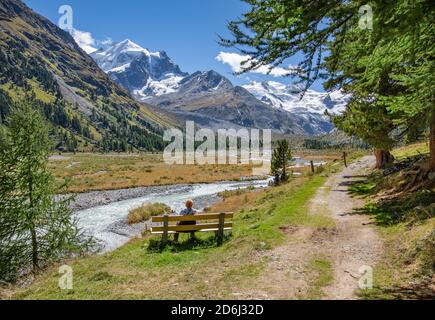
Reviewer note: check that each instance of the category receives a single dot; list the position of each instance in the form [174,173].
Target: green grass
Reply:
[262,223]
[146,211]
[411,209]
[406,222]
[411,150]
[363,188]
[406,269]
[142,269]
[321,273]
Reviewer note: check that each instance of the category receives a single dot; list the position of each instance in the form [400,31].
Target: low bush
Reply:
[146,211]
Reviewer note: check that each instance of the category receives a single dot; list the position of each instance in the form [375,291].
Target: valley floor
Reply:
[286,244]
[87,172]
[308,239]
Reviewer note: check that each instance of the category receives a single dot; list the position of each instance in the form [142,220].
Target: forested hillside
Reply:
[86,110]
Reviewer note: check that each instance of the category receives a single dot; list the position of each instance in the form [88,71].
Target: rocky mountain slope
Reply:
[207,98]
[211,99]
[140,71]
[213,102]
[85,107]
[310,108]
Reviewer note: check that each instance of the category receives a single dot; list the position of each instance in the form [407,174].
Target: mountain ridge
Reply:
[173,90]
[210,95]
[310,106]
[84,106]
[138,69]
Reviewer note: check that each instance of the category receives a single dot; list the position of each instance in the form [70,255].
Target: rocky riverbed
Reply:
[102,214]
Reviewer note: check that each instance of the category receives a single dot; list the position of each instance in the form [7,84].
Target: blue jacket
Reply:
[187,212]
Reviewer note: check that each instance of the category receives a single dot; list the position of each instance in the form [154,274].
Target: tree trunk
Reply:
[31,218]
[35,259]
[383,158]
[432,142]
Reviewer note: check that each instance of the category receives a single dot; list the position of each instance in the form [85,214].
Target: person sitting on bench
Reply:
[189,211]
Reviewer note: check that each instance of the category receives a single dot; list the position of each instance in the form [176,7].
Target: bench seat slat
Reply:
[196,217]
[192,228]
[205,230]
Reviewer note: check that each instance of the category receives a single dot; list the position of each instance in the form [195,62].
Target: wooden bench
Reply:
[209,222]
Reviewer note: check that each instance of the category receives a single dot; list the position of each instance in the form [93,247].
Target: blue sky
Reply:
[186,29]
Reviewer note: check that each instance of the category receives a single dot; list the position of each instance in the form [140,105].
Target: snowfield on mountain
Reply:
[154,78]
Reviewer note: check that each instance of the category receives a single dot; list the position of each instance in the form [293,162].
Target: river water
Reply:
[107,223]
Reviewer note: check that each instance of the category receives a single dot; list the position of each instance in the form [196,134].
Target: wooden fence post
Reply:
[165,229]
[221,228]
[312,166]
[344,159]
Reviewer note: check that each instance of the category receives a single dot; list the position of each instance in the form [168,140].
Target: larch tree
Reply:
[35,227]
[390,68]
[387,69]
[280,159]
[407,50]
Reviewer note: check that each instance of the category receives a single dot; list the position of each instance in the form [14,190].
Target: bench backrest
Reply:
[204,222]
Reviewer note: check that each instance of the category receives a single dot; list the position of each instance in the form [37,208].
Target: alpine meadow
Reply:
[217,155]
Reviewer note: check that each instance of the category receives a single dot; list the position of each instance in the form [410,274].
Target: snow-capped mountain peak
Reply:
[155,78]
[291,99]
[309,107]
[118,57]
[143,72]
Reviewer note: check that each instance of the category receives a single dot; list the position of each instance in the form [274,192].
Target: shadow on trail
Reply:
[356,176]
[415,206]
[350,183]
[355,185]
[420,291]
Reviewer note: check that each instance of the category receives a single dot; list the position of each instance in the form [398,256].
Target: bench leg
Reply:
[176,236]
[221,229]
[165,230]
[192,235]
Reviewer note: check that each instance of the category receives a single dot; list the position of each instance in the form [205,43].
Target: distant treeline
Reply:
[316,144]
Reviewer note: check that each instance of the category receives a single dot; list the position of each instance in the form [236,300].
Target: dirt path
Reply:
[355,244]
[351,245]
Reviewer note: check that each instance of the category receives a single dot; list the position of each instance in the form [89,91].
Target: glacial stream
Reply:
[107,223]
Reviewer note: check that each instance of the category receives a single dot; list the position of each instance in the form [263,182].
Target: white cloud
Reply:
[84,40]
[235,60]
[107,42]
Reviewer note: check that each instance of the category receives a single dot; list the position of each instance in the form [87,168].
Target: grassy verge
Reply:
[406,221]
[411,150]
[407,268]
[192,269]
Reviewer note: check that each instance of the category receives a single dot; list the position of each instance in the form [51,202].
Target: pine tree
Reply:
[280,158]
[35,229]
[389,70]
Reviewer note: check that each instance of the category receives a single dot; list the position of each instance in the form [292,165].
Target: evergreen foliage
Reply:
[280,159]
[388,69]
[35,227]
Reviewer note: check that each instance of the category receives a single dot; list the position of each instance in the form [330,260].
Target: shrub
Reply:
[146,211]
[320,169]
